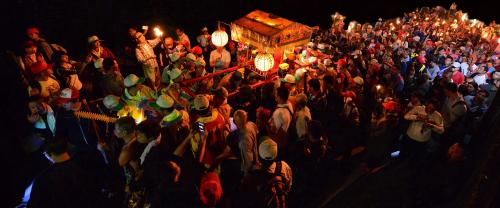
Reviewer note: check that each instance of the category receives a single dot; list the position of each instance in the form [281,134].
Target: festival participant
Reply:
[424,120]
[96,50]
[204,39]
[147,58]
[247,142]
[49,86]
[274,171]
[30,56]
[183,38]
[457,76]
[33,34]
[209,140]
[42,117]
[111,82]
[173,89]
[65,71]
[135,93]
[220,59]
[281,118]
[69,125]
[64,183]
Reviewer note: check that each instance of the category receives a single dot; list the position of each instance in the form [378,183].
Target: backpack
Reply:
[291,133]
[276,192]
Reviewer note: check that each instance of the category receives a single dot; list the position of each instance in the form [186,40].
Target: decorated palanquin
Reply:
[262,29]
[269,32]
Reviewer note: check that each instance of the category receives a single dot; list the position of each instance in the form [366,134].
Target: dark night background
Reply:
[70,22]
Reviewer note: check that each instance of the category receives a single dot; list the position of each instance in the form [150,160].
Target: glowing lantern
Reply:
[219,38]
[264,61]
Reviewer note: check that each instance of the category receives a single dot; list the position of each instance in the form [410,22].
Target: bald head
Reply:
[240,118]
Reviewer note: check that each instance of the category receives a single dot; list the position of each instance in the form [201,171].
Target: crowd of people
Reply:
[416,86]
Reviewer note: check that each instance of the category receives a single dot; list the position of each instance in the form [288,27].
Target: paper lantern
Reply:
[219,38]
[264,61]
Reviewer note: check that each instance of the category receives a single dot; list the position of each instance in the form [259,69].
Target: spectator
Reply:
[33,34]
[220,59]
[63,184]
[247,142]
[49,86]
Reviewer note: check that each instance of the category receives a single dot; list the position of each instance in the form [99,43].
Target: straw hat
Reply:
[132,80]
[268,149]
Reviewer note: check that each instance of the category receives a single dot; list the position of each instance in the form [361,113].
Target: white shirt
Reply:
[224,56]
[146,55]
[301,118]
[281,116]
[416,130]
[452,112]
[51,120]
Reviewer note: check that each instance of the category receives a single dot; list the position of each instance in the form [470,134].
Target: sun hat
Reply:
[191,57]
[113,102]
[163,102]
[358,80]
[201,103]
[132,80]
[174,73]
[289,79]
[299,73]
[172,118]
[268,149]
[92,39]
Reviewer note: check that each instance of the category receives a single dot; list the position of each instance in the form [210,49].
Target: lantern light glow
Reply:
[264,61]
[220,38]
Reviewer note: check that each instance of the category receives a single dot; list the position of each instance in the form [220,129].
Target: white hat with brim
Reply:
[172,118]
[191,57]
[289,79]
[174,73]
[132,80]
[112,102]
[456,65]
[92,39]
[201,102]
[358,80]
[163,102]
[268,149]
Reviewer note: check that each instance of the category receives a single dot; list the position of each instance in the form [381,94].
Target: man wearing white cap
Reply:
[145,55]
[96,51]
[268,151]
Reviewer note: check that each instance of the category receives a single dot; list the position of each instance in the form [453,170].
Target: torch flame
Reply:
[158,32]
